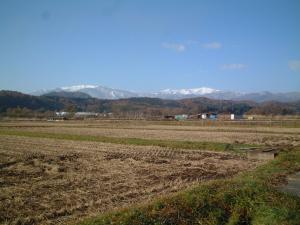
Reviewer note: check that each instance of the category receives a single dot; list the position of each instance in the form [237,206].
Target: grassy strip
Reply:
[250,198]
[173,144]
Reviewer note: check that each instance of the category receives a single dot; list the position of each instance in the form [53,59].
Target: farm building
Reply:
[203,116]
[86,114]
[169,117]
[62,114]
[181,117]
[211,116]
[236,117]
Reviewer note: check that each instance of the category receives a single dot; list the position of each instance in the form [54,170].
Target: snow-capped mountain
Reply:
[183,93]
[78,87]
[192,91]
[95,91]
[102,92]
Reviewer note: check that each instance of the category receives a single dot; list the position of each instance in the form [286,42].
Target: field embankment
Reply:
[249,198]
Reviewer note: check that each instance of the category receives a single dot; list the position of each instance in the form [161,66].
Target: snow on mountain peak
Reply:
[114,93]
[102,92]
[191,91]
[78,87]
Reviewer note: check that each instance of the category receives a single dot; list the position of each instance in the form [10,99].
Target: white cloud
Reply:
[175,46]
[212,45]
[233,66]
[294,65]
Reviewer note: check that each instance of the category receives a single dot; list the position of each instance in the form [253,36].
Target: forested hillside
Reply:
[16,103]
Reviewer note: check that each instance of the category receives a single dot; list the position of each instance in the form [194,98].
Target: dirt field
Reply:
[238,134]
[47,181]
[51,181]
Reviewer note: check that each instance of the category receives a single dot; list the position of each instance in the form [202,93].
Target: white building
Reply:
[62,114]
[86,114]
[232,116]
[236,117]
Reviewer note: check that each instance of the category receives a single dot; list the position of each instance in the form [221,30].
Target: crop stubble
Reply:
[49,181]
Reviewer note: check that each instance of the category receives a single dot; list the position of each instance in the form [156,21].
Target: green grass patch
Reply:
[249,198]
[173,144]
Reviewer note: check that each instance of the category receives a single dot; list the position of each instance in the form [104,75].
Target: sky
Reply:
[137,45]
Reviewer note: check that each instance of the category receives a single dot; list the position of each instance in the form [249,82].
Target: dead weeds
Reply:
[48,181]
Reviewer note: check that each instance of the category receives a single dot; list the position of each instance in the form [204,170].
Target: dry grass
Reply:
[48,181]
[247,135]
[56,181]
[249,198]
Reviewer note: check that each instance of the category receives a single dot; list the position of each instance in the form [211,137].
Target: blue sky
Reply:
[239,45]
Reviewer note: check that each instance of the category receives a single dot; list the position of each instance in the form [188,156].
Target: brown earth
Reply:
[48,181]
[261,135]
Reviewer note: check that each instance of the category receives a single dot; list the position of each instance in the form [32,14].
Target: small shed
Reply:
[232,116]
[204,116]
[236,117]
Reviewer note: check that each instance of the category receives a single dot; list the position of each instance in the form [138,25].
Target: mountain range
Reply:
[17,104]
[101,92]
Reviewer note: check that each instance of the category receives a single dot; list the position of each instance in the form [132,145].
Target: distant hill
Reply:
[95,91]
[65,94]
[102,92]
[13,99]
[149,106]
[269,96]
